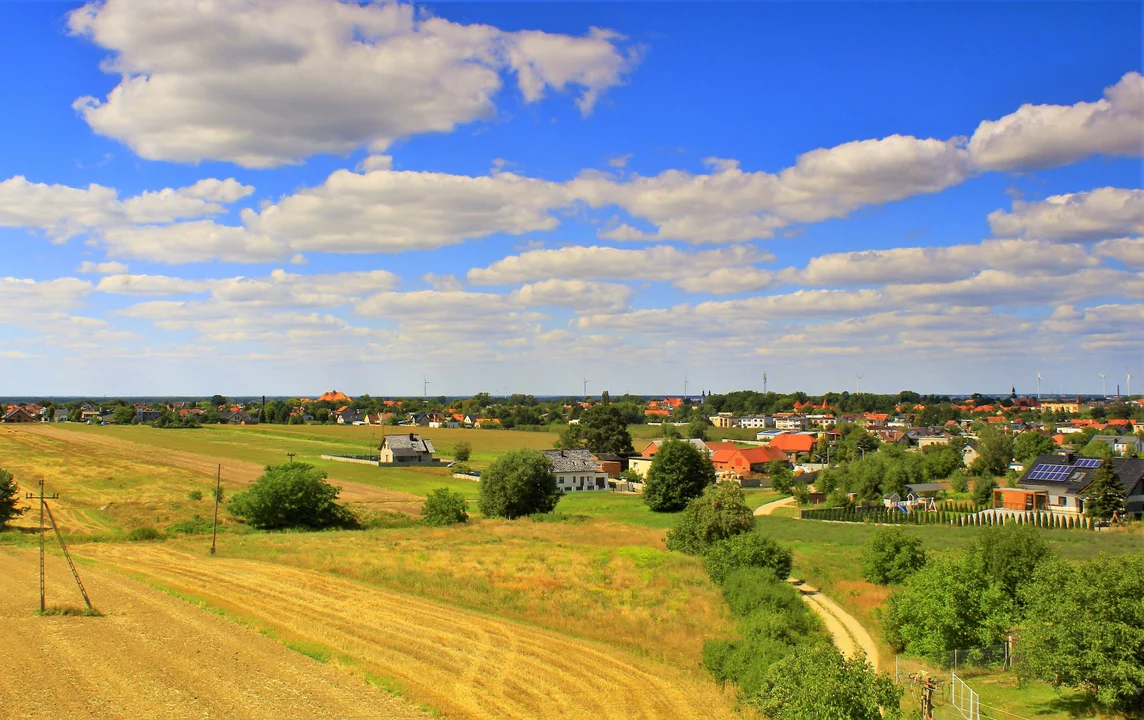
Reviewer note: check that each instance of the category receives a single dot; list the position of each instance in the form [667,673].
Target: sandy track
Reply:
[849,635]
[233,471]
[464,663]
[154,656]
[768,508]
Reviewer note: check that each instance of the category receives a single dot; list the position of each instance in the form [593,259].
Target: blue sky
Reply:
[305,194]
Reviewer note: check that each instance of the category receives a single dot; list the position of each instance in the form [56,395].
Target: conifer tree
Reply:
[9,498]
[1105,494]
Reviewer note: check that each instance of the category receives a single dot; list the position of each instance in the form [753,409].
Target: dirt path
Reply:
[849,635]
[155,656]
[770,507]
[234,471]
[464,663]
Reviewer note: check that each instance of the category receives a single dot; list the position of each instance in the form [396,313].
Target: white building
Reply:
[756,422]
[406,449]
[576,470]
[790,422]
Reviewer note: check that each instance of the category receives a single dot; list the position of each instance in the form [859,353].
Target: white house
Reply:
[790,422]
[576,470]
[406,449]
[756,422]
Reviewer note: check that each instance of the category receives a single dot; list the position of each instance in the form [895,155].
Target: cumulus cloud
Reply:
[267,83]
[104,268]
[388,211]
[580,295]
[1094,215]
[1039,136]
[196,241]
[62,212]
[1129,251]
[150,285]
[607,263]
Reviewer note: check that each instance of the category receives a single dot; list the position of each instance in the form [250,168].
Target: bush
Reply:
[819,682]
[959,481]
[983,488]
[462,469]
[9,498]
[144,534]
[748,589]
[678,473]
[518,483]
[891,556]
[195,526]
[719,513]
[462,451]
[782,479]
[195,495]
[1008,555]
[444,507]
[293,495]
[747,550]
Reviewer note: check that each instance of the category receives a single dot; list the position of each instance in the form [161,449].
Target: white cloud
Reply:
[150,285]
[1038,136]
[606,263]
[1129,251]
[263,83]
[63,212]
[388,211]
[939,264]
[441,282]
[727,281]
[1094,215]
[579,295]
[104,268]
[196,241]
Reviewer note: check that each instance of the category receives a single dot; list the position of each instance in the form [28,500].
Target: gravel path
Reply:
[772,506]
[849,635]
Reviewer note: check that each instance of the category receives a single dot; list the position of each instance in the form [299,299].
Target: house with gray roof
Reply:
[576,470]
[406,449]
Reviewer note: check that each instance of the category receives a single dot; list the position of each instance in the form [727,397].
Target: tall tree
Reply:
[605,430]
[994,452]
[1029,445]
[1105,494]
[518,483]
[9,498]
[678,473]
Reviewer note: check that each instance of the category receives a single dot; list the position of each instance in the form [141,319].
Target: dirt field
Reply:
[461,662]
[154,656]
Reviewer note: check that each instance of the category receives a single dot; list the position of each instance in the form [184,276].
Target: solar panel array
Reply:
[1046,471]
[1088,462]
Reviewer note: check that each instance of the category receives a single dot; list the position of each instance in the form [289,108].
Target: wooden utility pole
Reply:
[217,497]
[43,531]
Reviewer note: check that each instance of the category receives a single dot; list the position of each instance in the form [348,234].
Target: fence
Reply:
[964,699]
[882,515]
[359,459]
[1056,521]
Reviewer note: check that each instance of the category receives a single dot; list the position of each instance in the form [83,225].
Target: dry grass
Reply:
[465,663]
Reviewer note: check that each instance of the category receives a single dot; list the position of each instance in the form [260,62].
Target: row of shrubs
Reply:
[781,660]
[1039,519]
[879,515]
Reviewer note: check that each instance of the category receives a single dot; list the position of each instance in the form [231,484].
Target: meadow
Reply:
[595,571]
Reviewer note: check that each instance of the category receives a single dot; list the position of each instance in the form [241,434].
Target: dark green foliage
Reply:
[217,493]
[983,487]
[462,451]
[602,429]
[959,481]
[9,498]
[195,495]
[1028,445]
[719,513]
[678,473]
[518,483]
[293,495]
[195,526]
[444,507]
[749,589]
[1104,496]
[994,452]
[782,479]
[946,605]
[670,432]
[123,415]
[891,555]
[1008,555]
[1084,629]
[942,461]
[747,550]
[697,428]
[144,534]
[818,682]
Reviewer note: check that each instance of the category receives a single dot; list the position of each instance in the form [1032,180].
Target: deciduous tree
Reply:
[444,507]
[719,513]
[817,682]
[891,555]
[293,495]
[678,473]
[518,483]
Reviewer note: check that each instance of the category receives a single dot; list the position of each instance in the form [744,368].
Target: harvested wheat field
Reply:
[103,479]
[155,656]
[460,662]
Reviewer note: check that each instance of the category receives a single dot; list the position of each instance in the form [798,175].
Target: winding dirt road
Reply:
[770,507]
[849,635]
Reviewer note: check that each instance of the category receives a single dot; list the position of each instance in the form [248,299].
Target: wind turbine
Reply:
[586,381]
[424,388]
[764,382]
[1129,384]
[1103,385]
[684,386]
[857,384]
[1039,379]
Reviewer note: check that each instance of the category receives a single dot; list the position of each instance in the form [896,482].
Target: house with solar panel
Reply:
[1057,483]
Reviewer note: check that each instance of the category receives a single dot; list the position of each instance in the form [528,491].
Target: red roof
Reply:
[793,442]
[335,396]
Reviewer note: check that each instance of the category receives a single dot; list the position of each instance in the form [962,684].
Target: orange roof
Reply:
[335,396]
[757,455]
[792,442]
[717,446]
[1059,439]
[658,412]
[1119,422]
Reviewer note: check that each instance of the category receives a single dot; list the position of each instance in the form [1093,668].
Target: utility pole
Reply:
[217,497]
[59,538]
[289,455]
